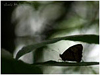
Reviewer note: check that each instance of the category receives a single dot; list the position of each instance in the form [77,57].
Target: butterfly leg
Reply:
[59,60]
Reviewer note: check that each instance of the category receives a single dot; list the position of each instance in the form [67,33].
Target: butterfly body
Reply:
[73,53]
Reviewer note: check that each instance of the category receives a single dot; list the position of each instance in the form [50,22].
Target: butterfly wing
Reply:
[67,55]
[77,51]
[74,53]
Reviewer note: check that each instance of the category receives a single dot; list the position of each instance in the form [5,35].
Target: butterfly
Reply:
[73,53]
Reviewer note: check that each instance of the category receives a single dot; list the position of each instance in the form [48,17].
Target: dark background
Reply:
[7,28]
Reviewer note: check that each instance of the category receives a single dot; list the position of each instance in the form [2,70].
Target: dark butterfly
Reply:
[73,53]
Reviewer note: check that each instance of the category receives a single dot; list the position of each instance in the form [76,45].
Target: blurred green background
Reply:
[30,22]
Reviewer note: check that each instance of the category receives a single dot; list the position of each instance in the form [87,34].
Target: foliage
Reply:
[12,66]
[83,38]
[15,66]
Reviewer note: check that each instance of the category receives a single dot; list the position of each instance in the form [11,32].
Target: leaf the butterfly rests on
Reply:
[73,53]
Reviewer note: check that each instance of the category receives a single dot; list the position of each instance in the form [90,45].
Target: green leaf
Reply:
[54,63]
[6,55]
[18,67]
[12,66]
[92,39]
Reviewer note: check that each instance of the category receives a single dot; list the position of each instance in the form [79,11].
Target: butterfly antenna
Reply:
[58,49]
[55,50]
